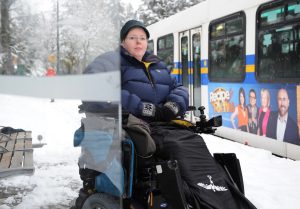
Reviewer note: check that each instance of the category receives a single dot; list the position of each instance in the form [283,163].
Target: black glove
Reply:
[166,113]
[148,109]
[170,111]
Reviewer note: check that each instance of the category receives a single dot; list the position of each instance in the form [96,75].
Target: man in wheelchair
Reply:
[164,163]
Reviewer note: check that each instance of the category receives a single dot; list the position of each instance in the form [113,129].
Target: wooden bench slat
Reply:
[2,144]
[18,159]
[28,134]
[27,144]
[28,159]
[6,157]
[21,135]
[16,171]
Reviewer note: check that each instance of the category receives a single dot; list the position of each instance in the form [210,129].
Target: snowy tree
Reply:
[30,33]
[72,36]
[152,11]
[127,13]
[21,37]
[6,54]
[87,29]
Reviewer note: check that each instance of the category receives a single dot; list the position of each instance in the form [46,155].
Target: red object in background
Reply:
[50,72]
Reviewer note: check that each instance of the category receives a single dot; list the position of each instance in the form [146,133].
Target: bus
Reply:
[239,59]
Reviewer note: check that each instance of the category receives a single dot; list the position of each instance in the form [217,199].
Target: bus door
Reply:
[184,59]
[196,68]
[190,60]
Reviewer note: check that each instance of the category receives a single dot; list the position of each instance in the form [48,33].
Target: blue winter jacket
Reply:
[138,85]
[154,85]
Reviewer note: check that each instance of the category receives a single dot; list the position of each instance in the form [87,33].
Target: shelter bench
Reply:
[16,154]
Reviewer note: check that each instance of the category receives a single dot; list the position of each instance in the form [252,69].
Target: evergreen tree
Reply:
[6,61]
[29,32]
[87,28]
[126,13]
[152,11]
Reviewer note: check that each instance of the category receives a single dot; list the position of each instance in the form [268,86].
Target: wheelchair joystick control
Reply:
[202,116]
[207,126]
[201,108]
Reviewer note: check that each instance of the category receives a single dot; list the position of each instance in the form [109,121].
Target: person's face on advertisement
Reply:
[242,99]
[283,102]
[264,99]
[252,98]
[136,43]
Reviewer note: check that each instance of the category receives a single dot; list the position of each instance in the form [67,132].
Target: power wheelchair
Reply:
[153,183]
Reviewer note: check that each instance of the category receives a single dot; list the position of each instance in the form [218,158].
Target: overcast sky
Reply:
[45,5]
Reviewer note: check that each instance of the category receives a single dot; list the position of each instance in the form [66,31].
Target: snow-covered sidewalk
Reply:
[56,181]
[270,182]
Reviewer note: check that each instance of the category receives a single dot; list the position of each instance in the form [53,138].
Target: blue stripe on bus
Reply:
[204,63]
[250,76]
[176,64]
[204,79]
[250,59]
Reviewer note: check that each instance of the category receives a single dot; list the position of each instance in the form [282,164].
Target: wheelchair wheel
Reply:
[101,201]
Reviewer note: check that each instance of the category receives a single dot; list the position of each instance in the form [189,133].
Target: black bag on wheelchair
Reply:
[205,183]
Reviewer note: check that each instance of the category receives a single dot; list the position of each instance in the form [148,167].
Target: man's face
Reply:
[283,102]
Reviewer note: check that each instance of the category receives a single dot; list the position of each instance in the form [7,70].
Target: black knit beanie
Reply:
[132,24]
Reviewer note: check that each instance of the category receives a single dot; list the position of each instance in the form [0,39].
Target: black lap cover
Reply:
[205,183]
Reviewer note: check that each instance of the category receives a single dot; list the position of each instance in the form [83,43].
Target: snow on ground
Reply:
[270,182]
[56,180]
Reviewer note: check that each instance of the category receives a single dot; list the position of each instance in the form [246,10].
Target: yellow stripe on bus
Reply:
[250,68]
[176,71]
[204,70]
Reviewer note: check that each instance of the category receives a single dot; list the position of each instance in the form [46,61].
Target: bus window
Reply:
[227,49]
[196,53]
[293,10]
[185,60]
[150,48]
[278,46]
[217,30]
[165,50]
[161,44]
[234,26]
[272,16]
